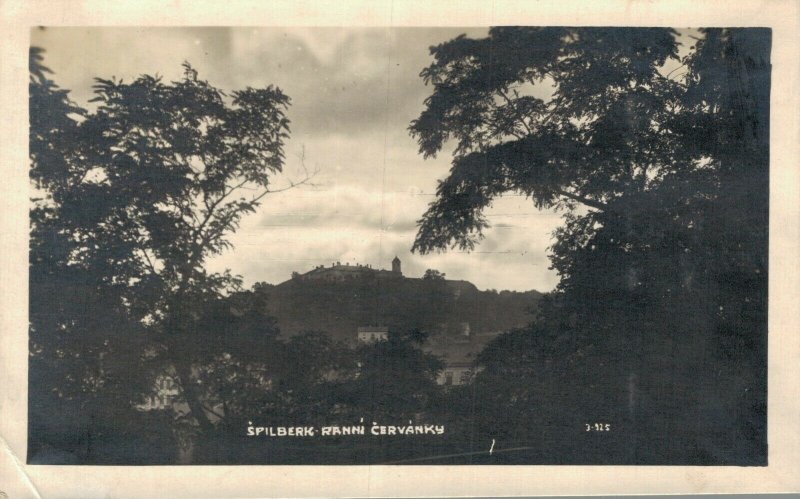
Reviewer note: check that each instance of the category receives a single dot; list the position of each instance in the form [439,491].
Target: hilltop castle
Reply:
[341,272]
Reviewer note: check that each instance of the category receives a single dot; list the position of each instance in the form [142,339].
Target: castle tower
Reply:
[396,265]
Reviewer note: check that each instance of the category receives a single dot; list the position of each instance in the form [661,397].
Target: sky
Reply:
[354,93]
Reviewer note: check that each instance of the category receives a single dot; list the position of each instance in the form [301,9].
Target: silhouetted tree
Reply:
[433,275]
[663,181]
[136,195]
[395,379]
[591,135]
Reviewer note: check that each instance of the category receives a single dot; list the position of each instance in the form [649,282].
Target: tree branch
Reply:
[212,411]
[306,178]
[149,261]
[211,209]
[583,200]
[513,106]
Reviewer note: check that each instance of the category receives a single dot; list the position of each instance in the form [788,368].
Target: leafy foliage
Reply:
[662,178]
[137,194]
[562,115]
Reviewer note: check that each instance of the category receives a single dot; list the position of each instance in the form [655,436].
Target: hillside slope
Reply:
[438,306]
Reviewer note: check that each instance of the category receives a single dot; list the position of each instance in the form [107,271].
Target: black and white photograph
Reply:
[508,245]
[321,248]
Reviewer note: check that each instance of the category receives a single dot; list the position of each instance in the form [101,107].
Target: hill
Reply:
[339,299]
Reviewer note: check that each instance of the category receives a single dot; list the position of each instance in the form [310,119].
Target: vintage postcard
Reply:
[508,246]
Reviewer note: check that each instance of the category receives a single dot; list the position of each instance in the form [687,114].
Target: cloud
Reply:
[354,93]
[359,225]
[341,207]
[341,80]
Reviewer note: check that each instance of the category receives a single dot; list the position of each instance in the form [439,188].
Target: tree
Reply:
[565,116]
[139,192]
[661,175]
[76,368]
[396,380]
[433,275]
